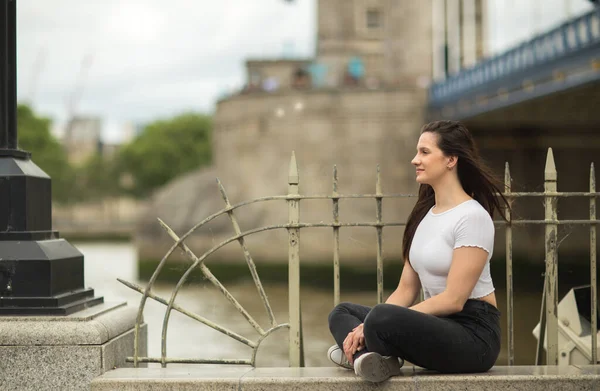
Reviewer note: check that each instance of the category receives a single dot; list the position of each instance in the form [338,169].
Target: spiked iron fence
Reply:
[293,228]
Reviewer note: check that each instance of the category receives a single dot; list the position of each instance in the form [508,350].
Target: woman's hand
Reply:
[354,342]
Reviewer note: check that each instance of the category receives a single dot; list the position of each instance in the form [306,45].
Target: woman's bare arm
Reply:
[467,265]
[408,288]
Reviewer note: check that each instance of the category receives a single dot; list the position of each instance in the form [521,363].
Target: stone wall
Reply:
[253,143]
[109,217]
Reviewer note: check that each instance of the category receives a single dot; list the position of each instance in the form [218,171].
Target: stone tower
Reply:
[358,104]
[392,37]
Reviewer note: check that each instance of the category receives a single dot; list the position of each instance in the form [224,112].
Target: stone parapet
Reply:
[66,353]
[530,378]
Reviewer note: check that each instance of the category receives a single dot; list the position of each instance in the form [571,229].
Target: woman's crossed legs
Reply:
[457,343]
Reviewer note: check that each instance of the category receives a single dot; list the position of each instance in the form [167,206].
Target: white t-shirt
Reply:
[466,225]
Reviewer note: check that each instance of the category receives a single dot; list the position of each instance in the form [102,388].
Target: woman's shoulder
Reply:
[473,211]
[473,206]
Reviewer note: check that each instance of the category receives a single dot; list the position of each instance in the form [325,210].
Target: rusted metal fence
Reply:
[549,316]
[293,227]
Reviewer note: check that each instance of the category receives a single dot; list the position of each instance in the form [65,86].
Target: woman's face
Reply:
[430,162]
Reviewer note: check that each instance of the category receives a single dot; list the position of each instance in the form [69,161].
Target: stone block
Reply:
[534,378]
[48,367]
[93,326]
[181,378]
[243,378]
[319,379]
[66,353]
[115,352]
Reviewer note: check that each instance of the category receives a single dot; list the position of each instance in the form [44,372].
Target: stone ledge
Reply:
[93,326]
[215,377]
[41,368]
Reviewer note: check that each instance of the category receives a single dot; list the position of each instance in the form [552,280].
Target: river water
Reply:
[104,262]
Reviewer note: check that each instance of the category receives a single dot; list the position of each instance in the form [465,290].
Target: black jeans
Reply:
[465,342]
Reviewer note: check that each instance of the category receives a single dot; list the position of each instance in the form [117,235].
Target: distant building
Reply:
[271,75]
[371,43]
[82,138]
[129,131]
[109,150]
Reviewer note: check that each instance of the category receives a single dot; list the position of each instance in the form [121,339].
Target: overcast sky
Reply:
[149,59]
[513,21]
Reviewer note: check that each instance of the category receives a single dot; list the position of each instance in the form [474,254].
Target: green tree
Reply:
[97,178]
[164,150]
[35,137]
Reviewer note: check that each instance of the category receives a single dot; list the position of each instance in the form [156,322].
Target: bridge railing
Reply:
[295,225]
[563,41]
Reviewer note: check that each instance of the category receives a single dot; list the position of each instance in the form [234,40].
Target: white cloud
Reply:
[150,58]
[514,21]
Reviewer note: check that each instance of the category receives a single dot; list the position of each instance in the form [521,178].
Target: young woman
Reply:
[447,246]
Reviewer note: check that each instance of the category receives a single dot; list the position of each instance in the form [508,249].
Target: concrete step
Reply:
[224,377]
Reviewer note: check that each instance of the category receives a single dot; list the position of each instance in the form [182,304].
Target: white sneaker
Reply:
[376,368]
[337,356]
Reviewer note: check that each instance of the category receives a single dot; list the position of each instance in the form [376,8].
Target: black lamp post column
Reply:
[40,274]
[8,80]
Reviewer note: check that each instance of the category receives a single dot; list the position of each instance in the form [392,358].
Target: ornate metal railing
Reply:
[528,63]
[294,226]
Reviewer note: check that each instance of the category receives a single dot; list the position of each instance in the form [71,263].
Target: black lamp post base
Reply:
[64,304]
[40,274]
[42,277]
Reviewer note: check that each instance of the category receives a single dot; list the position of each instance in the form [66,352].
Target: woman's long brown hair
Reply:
[477,180]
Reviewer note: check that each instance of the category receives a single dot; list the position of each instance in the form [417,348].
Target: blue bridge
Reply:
[549,81]
[542,93]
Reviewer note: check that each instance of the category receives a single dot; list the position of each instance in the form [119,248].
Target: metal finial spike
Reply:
[223,193]
[507,176]
[335,179]
[378,183]
[293,177]
[550,169]
[507,180]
